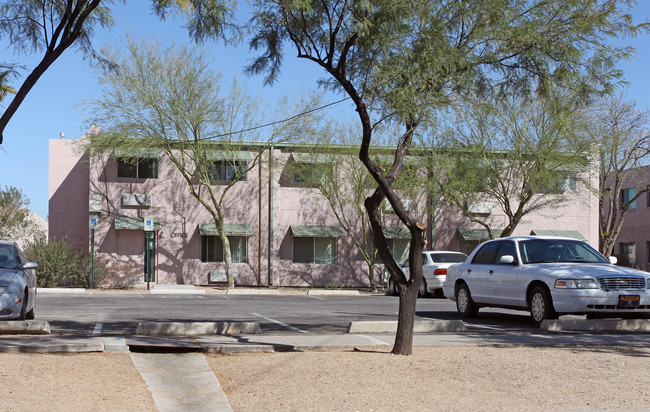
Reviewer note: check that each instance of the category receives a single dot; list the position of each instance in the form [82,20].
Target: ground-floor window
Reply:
[399,248]
[317,250]
[628,252]
[212,249]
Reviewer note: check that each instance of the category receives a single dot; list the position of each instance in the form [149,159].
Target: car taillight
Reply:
[440,272]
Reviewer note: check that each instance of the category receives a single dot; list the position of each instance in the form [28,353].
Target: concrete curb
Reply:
[636,325]
[25,327]
[51,344]
[64,291]
[197,328]
[325,292]
[252,292]
[420,326]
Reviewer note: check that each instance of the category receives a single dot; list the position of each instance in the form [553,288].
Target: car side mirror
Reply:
[507,260]
[30,265]
[613,260]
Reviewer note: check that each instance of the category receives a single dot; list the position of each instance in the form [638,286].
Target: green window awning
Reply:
[143,152]
[316,231]
[574,234]
[311,158]
[226,155]
[396,232]
[134,223]
[477,234]
[231,229]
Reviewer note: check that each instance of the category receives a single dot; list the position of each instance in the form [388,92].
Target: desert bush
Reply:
[61,263]
[121,275]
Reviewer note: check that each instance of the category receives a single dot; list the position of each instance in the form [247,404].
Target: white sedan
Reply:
[434,269]
[548,276]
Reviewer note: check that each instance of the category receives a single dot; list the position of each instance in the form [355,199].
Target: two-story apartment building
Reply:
[282,231]
[633,241]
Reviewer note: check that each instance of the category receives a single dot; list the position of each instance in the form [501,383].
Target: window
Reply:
[212,249]
[565,181]
[399,249]
[311,174]
[647,252]
[227,171]
[507,249]
[628,252]
[486,255]
[137,168]
[317,250]
[626,196]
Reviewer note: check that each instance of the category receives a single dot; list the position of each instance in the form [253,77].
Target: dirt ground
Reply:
[367,379]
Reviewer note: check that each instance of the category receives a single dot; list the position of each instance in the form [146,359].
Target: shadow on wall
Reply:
[68,203]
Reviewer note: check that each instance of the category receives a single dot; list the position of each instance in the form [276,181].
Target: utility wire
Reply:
[216,136]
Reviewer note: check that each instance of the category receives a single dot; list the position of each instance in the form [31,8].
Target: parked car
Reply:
[434,268]
[548,276]
[17,283]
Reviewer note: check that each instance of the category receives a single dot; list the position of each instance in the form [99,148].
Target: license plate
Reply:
[628,301]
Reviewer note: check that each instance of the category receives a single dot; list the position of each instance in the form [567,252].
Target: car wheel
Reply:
[464,303]
[393,288]
[541,306]
[422,292]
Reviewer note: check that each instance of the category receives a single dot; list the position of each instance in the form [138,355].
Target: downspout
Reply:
[270,257]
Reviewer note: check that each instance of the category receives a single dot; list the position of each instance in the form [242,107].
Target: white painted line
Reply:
[315,297]
[481,326]
[280,323]
[98,329]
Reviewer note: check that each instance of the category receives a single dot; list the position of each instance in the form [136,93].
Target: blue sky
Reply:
[55,104]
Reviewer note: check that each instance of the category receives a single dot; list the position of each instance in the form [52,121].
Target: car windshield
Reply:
[448,257]
[558,250]
[8,258]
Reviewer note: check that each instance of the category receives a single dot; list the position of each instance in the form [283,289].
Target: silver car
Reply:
[548,276]
[17,283]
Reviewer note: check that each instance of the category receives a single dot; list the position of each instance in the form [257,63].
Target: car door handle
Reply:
[469,270]
[491,272]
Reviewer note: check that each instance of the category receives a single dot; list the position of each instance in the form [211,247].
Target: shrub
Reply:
[122,275]
[60,263]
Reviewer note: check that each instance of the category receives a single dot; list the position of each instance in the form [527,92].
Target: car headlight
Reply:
[576,284]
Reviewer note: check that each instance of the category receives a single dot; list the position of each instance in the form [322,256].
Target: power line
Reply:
[277,121]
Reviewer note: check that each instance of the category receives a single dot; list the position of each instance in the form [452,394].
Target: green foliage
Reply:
[60,263]
[13,212]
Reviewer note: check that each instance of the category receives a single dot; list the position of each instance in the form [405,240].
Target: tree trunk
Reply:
[408,296]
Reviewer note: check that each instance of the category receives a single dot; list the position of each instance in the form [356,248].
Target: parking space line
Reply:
[98,329]
[280,323]
[481,326]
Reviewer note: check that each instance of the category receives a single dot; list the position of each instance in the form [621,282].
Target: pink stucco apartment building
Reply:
[633,241]
[281,233]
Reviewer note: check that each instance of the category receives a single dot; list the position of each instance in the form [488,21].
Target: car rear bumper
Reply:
[435,282]
[600,301]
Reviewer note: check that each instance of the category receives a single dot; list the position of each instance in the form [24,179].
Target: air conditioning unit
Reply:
[219,275]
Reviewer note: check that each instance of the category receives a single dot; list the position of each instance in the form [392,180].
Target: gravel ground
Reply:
[366,379]
[439,378]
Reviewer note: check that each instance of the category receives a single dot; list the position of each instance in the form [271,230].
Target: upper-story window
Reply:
[227,171]
[310,170]
[228,166]
[137,168]
[627,195]
[137,163]
[564,181]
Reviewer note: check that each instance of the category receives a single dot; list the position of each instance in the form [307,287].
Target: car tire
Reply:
[464,303]
[393,288]
[422,292]
[541,305]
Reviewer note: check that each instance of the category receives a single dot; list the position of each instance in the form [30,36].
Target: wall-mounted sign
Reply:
[148,224]
[179,234]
